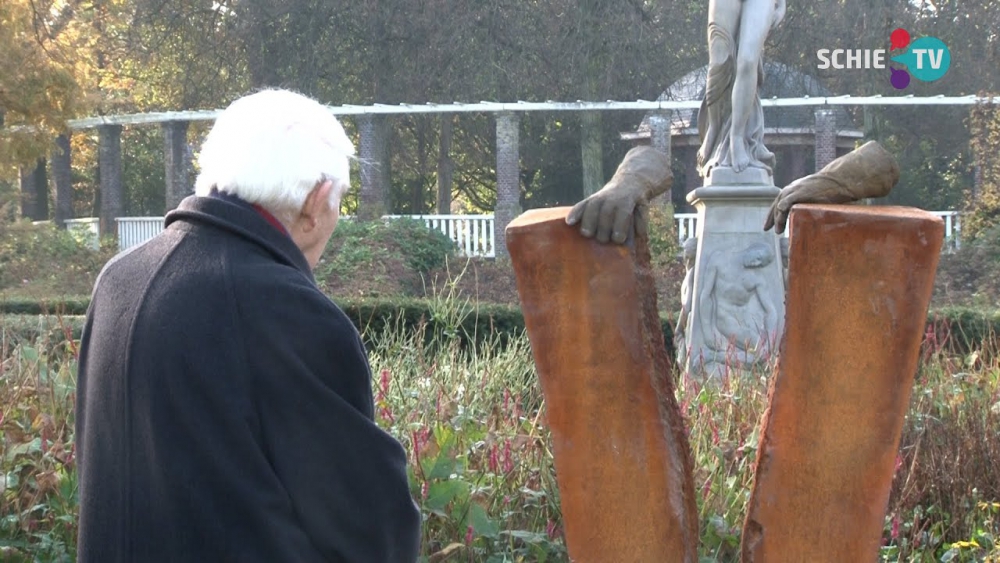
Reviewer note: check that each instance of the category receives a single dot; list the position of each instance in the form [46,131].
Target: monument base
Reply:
[736,300]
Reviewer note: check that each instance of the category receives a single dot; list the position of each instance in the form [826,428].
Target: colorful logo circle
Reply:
[927,59]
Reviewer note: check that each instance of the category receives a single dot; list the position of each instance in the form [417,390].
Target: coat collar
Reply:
[244,221]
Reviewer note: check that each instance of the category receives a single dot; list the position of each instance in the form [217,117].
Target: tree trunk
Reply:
[445,166]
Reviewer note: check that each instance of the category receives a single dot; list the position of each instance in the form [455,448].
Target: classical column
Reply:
[591,152]
[826,137]
[373,178]
[35,192]
[175,162]
[62,174]
[508,179]
[659,136]
[27,185]
[41,190]
[110,163]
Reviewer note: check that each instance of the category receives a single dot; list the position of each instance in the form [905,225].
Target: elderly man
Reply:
[224,408]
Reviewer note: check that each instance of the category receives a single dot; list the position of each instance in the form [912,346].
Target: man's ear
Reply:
[316,203]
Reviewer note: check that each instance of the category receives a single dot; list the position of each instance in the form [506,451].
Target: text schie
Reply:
[873,58]
[851,58]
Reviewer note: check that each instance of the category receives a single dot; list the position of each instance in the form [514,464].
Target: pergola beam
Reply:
[505,107]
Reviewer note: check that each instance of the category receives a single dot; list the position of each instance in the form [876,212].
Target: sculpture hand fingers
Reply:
[576,213]
[780,209]
[780,217]
[589,223]
[622,226]
[769,222]
[605,219]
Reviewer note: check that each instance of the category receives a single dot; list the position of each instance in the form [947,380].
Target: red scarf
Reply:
[271,219]
[256,207]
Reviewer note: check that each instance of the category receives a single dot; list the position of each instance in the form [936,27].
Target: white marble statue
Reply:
[731,120]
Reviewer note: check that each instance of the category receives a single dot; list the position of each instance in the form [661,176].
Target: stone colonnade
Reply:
[375,178]
[373,151]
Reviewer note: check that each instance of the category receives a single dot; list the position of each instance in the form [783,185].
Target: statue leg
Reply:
[723,19]
[754,25]
[760,152]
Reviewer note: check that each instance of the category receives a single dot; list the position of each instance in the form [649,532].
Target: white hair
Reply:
[272,148]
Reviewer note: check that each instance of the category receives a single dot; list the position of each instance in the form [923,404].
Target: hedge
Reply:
[956,330]
[61,306]
[495,322]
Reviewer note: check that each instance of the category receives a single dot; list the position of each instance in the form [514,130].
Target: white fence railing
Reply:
[472,234]
[687,225]
[952,229]
[133,231]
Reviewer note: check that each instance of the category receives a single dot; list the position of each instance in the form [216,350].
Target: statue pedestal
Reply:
[737,298]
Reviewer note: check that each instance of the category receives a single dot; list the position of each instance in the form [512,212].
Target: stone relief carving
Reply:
[682,344]
[736,314]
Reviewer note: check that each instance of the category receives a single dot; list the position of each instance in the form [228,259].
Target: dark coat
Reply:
[225,410]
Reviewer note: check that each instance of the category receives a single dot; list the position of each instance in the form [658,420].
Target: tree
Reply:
[39,89]
[984,202]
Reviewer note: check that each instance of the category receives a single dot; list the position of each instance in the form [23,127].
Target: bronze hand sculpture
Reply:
[620,208]
[868,171]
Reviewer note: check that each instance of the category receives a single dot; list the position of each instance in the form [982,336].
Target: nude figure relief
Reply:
[736,315]
[682,344]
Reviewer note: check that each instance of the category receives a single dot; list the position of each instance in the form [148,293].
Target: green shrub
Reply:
[367,246]
[425,249]
[663,245]
[47,260]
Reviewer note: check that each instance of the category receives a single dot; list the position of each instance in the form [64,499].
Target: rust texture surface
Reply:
[622,458]
[860,281]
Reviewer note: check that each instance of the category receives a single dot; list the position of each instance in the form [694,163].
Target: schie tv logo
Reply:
[927,59]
